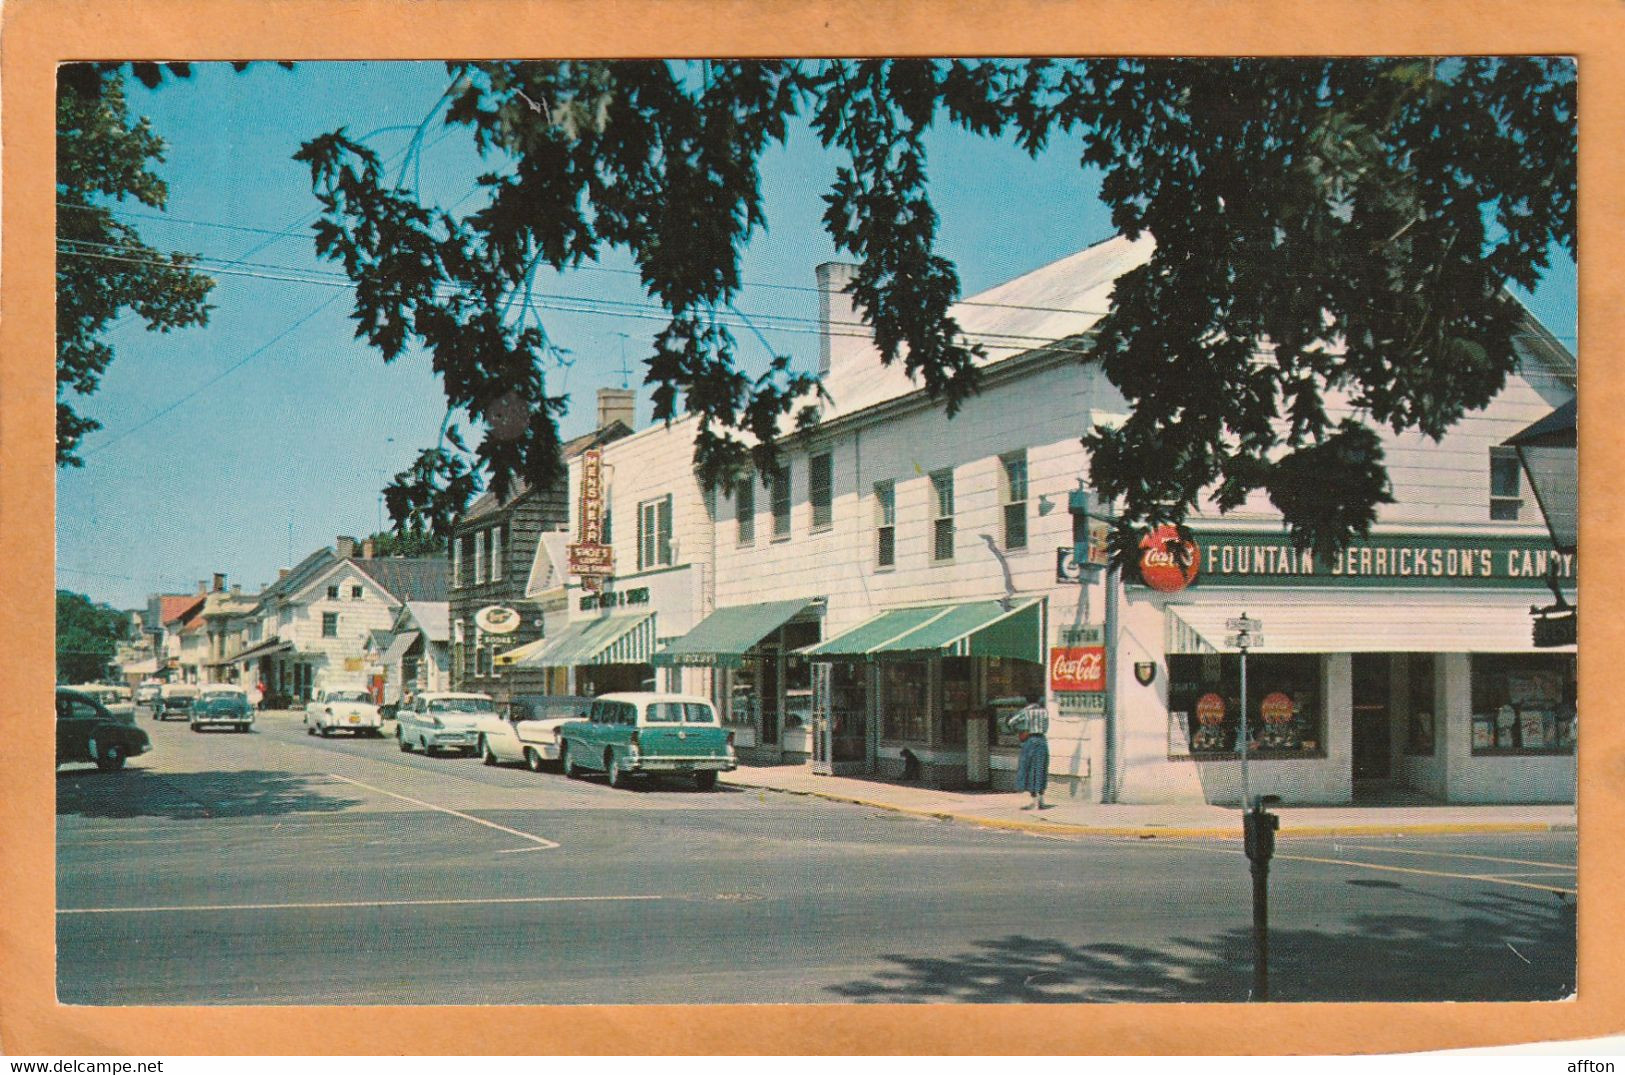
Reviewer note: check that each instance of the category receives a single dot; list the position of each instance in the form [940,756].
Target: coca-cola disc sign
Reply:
[1077,668]
[1167,561]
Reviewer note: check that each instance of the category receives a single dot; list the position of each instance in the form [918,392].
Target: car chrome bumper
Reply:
[671,764]
[452,739]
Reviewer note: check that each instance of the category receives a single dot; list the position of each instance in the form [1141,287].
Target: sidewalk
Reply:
[1002,810]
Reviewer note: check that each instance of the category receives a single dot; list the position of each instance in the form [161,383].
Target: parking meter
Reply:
[1258,839]
[1258,829]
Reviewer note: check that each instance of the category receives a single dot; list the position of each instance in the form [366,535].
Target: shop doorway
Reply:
[1372,697]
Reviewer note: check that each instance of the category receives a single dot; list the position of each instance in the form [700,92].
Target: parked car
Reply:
[86,731]
[147,694]
[116,699]
[443,720]
[175,700]
[650,733]
[529,732]
[221,705]
[348,710]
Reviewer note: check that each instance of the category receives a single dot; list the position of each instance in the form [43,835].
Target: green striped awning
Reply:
[722,639]
[611,640]
[970,629]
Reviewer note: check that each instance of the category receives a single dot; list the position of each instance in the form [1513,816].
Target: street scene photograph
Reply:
[816,531]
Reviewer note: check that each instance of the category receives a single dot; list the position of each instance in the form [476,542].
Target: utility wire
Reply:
[222,375]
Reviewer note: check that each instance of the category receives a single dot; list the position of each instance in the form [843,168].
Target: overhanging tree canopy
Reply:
[1333,225]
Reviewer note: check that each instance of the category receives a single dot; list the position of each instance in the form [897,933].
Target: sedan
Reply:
[349,710]
[443,720]
[86,731]
[530,732]
[221,706]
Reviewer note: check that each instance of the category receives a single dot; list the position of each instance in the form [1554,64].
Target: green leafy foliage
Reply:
[407,543]
[1333,242]
[87,635]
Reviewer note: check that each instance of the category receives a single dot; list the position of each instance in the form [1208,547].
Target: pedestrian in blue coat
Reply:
[1031,726]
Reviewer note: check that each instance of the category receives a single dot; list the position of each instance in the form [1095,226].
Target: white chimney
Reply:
[617,404]
[845,347]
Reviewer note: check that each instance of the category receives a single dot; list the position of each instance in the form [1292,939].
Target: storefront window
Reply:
[1524,703]
[958,697]
[1419,736]
[741,701]
[1007,685]
[904,696]
[1286,715]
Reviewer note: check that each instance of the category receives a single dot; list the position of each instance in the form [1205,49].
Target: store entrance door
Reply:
[1372,706]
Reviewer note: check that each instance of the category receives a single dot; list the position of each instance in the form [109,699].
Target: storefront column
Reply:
[1455,725]
[1337,687]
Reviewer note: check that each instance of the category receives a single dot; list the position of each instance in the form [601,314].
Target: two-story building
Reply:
[494,548]
[905,569]
[311,627]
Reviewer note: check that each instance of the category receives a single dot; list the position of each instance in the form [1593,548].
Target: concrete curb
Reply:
[1156,832]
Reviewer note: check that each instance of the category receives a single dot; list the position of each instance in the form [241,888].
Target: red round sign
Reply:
[1210,709]
[1167,563]
[1276,708]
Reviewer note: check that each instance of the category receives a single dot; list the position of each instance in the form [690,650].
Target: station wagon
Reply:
[649,733]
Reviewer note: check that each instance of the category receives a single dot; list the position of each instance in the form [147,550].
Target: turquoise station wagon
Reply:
[655,734]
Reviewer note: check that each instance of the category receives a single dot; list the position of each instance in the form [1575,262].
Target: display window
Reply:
[1286,715]
[904,700]
[1524,703]
[1008,685]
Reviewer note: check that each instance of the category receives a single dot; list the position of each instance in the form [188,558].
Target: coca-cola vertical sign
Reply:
[1077,670]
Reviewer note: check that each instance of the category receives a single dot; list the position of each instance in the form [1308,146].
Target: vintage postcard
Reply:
[640,528]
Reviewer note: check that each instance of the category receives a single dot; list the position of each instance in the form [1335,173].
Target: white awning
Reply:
[142,668]
[398,647]
[1360,627]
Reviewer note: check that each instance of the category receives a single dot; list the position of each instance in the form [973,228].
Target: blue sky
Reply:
[242,446]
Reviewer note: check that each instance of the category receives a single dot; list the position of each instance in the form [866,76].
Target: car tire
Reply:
[612,770]
[310,729]
[705,780]
[406,748]
[324,731]
[487,755]
[533,759]
[567,763]
[110,758]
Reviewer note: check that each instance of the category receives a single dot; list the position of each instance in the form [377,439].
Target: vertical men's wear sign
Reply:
[590,559]
[1077,670]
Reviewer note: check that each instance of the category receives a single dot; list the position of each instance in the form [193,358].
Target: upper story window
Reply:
[1506,484]
[821,489]
[654,533]
[745,510]
[885,524]
[333,592]
[942,515]
[778,491]
[496,552]
[479,557]
[355,592]
[330,625]
[1013,497]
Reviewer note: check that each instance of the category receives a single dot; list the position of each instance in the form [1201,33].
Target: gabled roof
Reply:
[379,639]
[422,578]
[433,618]
[547,568]
[172,607]
[303,572]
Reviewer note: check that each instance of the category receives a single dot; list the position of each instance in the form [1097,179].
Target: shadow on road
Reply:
[1484,955]
[238,793]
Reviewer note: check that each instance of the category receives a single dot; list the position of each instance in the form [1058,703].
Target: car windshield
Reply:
[460,705]
[348,696]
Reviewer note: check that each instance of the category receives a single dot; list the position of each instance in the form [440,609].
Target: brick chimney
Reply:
[219,581]
[368,548]
[346,546]
[202,587]
[236,589]
[617,404]
[282,573]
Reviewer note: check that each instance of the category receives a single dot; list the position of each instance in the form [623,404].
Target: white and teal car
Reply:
[648,733]
[443,720]
[529,733]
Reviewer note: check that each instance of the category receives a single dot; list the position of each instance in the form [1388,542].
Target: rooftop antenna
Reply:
[626,372]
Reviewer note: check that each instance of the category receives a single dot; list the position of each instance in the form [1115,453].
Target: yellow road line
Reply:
[544,841]
[1460,855]
[171,909]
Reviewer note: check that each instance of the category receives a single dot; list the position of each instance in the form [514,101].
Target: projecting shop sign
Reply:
[1077,670]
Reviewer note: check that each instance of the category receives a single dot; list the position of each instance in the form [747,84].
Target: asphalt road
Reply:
[276,868]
